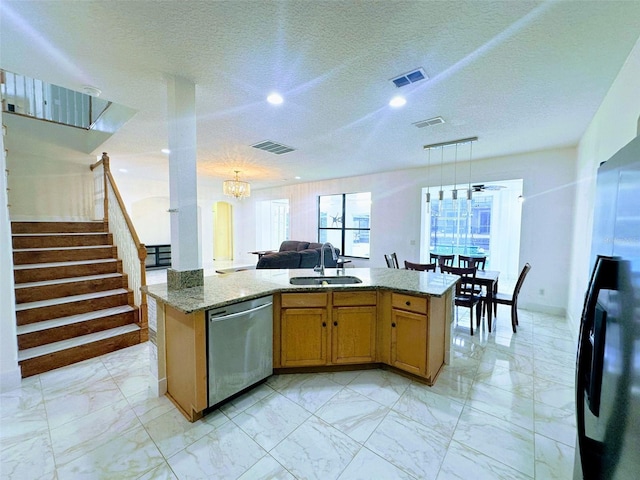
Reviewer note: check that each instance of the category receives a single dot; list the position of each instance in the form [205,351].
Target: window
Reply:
[272,223]
[344,220]
[490,227]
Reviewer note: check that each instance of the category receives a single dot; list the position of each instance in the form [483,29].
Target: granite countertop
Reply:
[221,290]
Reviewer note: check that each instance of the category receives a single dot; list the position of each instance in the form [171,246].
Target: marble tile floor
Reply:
[502,410]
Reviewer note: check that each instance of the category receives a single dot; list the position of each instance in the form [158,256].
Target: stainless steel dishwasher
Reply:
[240,347]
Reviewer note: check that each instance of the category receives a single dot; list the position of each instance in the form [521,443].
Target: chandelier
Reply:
[236,188]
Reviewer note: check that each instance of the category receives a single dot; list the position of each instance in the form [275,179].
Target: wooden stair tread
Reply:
[58,281]
[48,249]
[70,299]
[63,264]
[57,234]
[71,319]
[49,348]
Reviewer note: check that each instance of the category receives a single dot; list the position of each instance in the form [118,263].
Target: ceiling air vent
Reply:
[429,123]
[273,147]
[410,77]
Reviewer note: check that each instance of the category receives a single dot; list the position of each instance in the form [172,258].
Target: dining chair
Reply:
[467,261]
[392,260]
[510,299]
[423,267]
[464,297]
[442,259]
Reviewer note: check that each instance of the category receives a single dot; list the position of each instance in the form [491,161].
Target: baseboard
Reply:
[158,386]
[10,380]
[575,322]
[543,308]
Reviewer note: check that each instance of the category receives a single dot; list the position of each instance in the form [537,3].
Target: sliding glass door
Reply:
[489,226]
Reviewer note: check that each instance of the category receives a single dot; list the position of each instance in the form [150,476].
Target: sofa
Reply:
[297,254]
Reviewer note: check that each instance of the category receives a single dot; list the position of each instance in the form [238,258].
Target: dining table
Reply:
[489,280]
[261,253]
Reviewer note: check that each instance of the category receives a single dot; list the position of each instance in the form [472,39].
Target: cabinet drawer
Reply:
[354,299]
[409,303]
[304,300]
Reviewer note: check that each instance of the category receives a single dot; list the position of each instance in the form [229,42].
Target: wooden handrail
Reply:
[127,219]
[104,161]
[99,162]
[140,247]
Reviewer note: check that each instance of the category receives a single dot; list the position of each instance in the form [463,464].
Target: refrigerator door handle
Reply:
[589,359]
[597,340]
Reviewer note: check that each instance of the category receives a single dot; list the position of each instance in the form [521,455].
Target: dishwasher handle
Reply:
[239,314]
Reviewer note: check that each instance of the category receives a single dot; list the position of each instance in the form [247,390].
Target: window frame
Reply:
[343,229]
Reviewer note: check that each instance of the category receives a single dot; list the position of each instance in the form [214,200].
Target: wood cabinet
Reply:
[417,335]
[303,329]
[327,328]
[409,323]
[186,367]
[320,329]
[353,327]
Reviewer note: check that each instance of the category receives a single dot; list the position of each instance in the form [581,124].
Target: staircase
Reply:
[72,299]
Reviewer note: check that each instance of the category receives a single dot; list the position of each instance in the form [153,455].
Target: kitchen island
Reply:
[398,319]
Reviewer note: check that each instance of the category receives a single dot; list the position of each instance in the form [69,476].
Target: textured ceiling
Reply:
[519,75]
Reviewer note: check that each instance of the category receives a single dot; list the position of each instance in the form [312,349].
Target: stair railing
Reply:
[29,97]
[109,206]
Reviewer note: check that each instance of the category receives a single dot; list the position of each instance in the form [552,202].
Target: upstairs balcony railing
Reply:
[29,97]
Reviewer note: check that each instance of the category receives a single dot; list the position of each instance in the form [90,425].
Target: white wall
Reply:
[614,125]
[148,205]
[548,185]
[9,370]
[49,188]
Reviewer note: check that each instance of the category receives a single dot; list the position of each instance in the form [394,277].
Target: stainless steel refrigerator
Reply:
[608,359]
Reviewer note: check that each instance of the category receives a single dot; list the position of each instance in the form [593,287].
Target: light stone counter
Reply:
[221,290]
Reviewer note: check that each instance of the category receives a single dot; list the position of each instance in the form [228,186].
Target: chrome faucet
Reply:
[320,268]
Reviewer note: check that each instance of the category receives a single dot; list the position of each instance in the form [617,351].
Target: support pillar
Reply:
[186,258]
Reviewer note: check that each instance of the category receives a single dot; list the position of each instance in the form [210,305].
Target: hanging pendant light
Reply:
[469,189]
[454,192]
[236,188]
[441,192]
[428,171]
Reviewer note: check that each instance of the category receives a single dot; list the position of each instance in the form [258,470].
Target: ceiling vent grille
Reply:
[409,77]
[273,147]
[429,122]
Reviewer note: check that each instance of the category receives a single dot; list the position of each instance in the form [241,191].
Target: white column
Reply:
[9,369]
[181,112]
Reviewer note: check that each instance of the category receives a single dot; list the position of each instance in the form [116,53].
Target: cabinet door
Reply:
[409,341]
[353,335]
[304,337]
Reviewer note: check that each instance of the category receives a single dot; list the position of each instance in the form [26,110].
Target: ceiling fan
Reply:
[483,188]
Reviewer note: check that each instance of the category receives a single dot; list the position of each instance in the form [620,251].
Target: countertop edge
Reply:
[261,288]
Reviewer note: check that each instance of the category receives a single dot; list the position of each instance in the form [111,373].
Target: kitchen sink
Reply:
[340,280]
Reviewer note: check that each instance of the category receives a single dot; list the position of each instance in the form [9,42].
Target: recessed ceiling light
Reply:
[297,178]
[123,170]
[166,151]
[93,91]
[275,99]
[397,101]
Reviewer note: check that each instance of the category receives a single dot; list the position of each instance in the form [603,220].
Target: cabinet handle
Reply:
[407,303]
[324,324]
[393,325]
[335,324]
